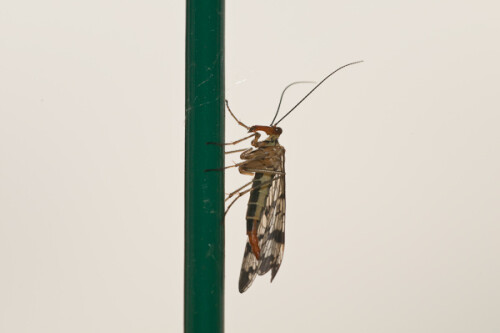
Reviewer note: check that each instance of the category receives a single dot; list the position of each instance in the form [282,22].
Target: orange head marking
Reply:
[269,130]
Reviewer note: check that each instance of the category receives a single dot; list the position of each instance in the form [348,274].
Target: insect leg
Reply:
[240,194]
[237,165]
[239,122]
[269,172]
[230,195]
[237,151]
[231,143]
[229,166]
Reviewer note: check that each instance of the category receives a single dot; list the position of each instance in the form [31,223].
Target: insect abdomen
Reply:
[258,196]
[256,204]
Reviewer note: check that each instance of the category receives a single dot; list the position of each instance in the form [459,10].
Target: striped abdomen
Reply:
[256,204]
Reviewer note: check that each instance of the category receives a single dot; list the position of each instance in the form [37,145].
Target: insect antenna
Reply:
[283,94]
[309,93]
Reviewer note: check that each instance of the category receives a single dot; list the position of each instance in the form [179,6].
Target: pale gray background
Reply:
[392,166]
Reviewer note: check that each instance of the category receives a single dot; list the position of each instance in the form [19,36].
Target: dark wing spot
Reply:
[248,269]
[278,236]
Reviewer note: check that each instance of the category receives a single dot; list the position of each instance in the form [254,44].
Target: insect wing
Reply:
[273,242]
[271,236]
[248,269]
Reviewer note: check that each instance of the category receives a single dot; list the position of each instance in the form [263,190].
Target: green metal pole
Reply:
[204,191]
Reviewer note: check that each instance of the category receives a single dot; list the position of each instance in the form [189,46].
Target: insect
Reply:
[265,217]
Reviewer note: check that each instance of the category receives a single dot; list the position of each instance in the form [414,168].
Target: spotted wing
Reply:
[248,269]
[251,264]
[271,235]
[273,225]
